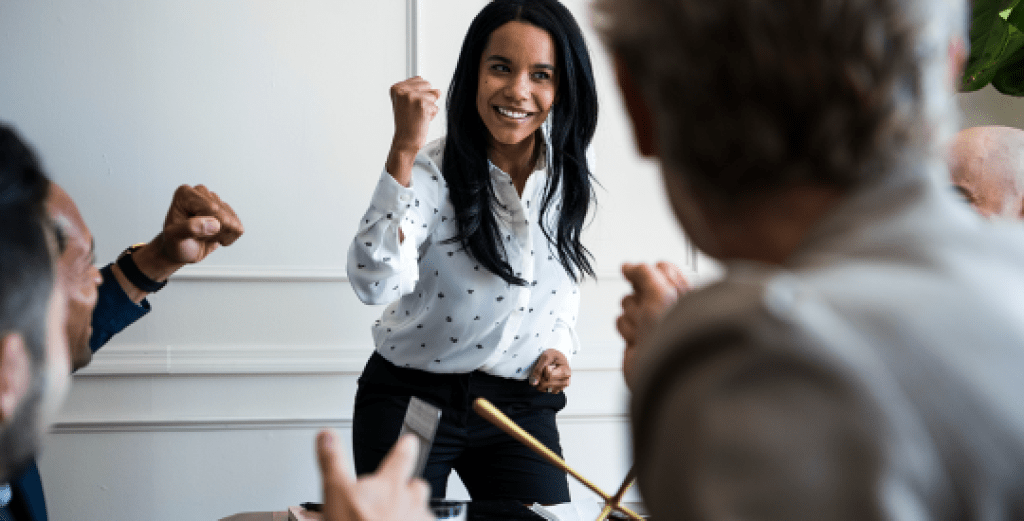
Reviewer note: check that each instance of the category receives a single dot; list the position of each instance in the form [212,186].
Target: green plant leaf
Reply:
[994,41]
[1010,78]
[987,47]
[1016,17]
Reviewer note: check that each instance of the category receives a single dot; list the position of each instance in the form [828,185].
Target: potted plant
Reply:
[997,47]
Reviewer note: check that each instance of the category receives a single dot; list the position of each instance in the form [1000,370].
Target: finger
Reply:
[191,201]
[400,463]
[193,228]
[558,374]
[538,368]
[674,275]
[639,276]
[231,227]
[411,88]
[651,285]
[210,204]
[561,384]
[336,480]
[627,329]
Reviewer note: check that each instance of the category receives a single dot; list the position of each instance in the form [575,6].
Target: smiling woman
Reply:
[473,241]
[516,91]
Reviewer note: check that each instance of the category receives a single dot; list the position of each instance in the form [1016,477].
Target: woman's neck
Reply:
[518,160]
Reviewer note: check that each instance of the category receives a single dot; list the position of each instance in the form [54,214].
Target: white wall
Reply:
[988,107]
[208,406]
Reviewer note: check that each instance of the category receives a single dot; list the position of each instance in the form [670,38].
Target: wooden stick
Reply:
[616,500]
[492,414]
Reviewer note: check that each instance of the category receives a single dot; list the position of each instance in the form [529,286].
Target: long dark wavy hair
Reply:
[573,119]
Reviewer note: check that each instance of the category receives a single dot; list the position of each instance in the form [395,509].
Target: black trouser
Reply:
[491,464]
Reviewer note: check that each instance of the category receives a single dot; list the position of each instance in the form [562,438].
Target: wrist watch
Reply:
[134,274]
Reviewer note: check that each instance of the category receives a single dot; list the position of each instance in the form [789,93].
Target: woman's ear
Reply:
[15,374]
[638,109]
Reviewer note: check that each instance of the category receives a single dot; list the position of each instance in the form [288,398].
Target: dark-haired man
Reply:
[101,303]
[861,358]
[34,363]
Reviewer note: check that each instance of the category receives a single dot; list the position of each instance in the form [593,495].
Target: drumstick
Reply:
[492,414]
[617,498]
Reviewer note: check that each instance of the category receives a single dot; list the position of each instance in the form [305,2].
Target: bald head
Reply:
[987,164]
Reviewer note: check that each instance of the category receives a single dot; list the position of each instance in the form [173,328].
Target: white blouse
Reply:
[446,313]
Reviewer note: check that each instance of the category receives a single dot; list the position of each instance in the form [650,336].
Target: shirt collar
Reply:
[543,159]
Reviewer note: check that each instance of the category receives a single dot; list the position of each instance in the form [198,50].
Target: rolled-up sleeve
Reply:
[114,310]
[381,266]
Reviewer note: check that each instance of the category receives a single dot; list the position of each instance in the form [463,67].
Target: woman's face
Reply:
[518,82]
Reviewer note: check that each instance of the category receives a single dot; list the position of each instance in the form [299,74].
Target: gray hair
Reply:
[751,96]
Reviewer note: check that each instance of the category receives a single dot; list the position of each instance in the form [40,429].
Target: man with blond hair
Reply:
[861,357]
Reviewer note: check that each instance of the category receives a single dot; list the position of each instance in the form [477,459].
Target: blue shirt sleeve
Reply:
[114,310]
[27,500]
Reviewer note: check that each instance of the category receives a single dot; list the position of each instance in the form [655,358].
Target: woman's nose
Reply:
[518,88]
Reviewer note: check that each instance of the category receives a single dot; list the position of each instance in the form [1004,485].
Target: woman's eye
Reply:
[542,75]
[500,68]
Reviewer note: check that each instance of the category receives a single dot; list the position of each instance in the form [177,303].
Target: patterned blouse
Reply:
[445,312]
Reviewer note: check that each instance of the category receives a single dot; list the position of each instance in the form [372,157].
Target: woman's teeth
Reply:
[512,114]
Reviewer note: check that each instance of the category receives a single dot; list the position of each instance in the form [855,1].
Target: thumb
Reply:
[193,228]
[336,480]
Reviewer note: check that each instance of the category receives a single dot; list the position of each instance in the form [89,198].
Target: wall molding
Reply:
[412,38]
[243,273]
[274,359]
[202,273]
[226,423]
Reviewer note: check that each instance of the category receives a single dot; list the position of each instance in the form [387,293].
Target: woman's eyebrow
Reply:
[502,59]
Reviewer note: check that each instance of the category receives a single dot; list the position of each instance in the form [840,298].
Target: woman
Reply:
[474,240]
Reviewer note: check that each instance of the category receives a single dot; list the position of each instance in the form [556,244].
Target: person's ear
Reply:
[957,61]
[638,109]
[15,374]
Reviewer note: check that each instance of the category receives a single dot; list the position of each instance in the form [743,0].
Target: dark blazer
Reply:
[114,312]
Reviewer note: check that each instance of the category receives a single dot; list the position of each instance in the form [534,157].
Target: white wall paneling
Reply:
[209,406]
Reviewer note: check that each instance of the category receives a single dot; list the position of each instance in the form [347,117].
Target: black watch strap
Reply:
[134,274]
